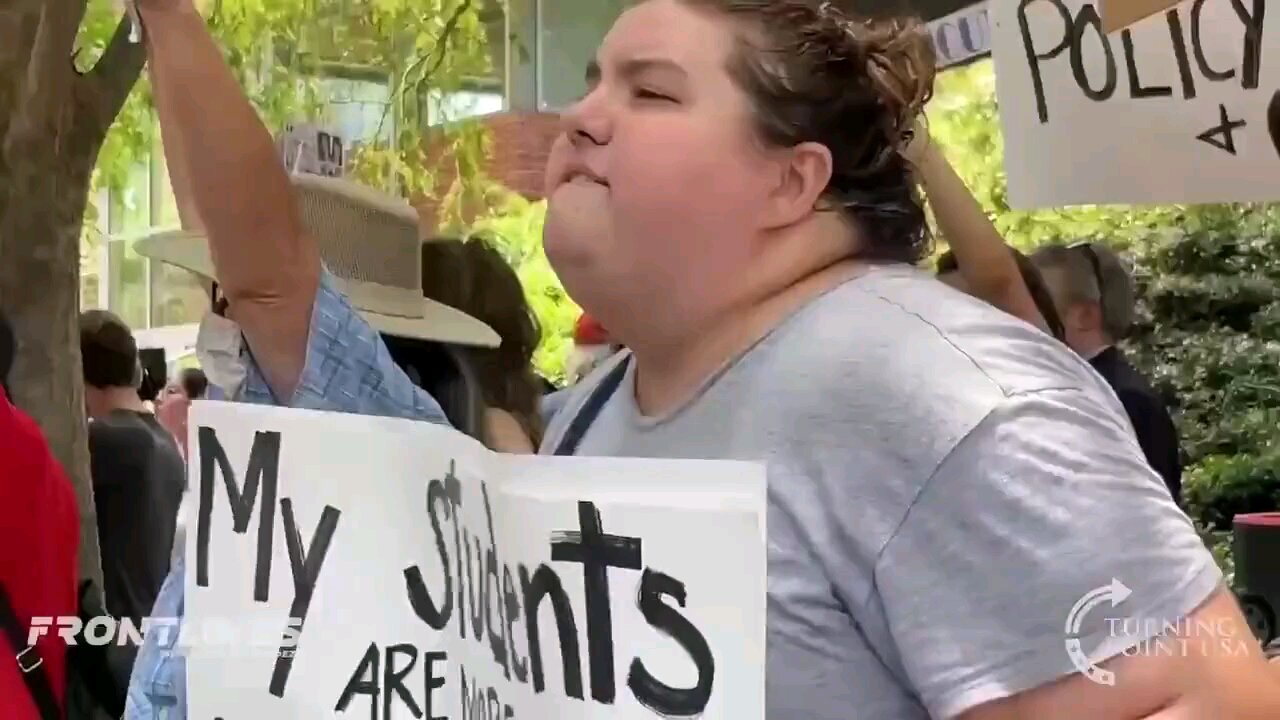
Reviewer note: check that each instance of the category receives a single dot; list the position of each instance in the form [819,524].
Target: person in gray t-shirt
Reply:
[961,522]
[945,482]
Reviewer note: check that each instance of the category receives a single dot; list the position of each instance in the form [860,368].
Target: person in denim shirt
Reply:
[348,369]
[304,345]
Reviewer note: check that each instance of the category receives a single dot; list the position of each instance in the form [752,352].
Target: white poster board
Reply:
[648,576]
[1170,110]
[310,149]
[961,36]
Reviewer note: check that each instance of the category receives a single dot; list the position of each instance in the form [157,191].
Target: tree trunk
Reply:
[53,121]
[40,291]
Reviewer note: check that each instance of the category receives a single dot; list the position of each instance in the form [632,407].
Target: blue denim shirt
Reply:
[348,369]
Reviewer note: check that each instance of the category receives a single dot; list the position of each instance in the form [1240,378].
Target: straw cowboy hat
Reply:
[370,241]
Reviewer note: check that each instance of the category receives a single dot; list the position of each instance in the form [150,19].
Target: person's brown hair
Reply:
[474,277]
[815,74]
[108,351]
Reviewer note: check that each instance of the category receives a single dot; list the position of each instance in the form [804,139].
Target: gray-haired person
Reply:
[1095,294]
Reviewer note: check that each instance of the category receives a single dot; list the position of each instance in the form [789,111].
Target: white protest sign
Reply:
[961,36]
[1170,110]
[409,572]
[310,149]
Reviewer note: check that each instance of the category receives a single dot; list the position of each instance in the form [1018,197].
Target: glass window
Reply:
[568,36]
[164,205]
[129,210]
[178,297]
[358,109]
[461,105]
[127,289]
[128,216]
[90,271]
[90,284]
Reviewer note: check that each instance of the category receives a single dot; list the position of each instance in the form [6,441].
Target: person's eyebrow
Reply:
[636,66]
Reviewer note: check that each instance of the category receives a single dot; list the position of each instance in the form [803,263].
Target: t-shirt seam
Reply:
[942,335]
[924,486]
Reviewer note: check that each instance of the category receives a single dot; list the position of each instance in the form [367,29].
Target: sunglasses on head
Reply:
[1086,248]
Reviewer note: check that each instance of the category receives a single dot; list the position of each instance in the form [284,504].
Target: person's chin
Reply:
[575,221]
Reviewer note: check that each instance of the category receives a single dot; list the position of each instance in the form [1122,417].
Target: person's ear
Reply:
[803,174]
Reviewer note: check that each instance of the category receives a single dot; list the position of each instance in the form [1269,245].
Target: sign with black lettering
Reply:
[962,36]
[414,573]
[310,149]
[1170,110]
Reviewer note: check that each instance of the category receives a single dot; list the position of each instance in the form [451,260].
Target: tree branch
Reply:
[49,72]
[446,36]
[101,92]
[440,51]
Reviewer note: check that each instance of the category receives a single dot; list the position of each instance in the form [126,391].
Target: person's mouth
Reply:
[581,174]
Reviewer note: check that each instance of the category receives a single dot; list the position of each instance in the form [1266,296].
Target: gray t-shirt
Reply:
[945,484]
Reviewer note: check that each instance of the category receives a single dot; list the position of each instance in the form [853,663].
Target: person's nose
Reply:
[587,121]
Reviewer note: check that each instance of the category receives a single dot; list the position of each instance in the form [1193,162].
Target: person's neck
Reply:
[668,372]
[112,399]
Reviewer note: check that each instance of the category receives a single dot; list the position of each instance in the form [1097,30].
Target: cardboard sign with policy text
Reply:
[410,572]
[1170,110]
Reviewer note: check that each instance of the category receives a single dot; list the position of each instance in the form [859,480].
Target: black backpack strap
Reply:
[30,664]
[595,403]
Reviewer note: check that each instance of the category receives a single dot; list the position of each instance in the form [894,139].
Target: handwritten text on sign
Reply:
[1170,110]
[415,574]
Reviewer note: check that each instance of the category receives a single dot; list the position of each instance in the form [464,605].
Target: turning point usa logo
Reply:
[1137,635]
[237,636]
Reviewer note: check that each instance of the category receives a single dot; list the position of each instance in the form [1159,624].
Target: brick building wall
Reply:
[520,144]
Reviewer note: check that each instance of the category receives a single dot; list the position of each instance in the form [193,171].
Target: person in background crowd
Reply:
[947,269]
[193,383]
[978,262]
[926,457]
[154,377]
[475,278]
[745,224]
[174,404]
[1096,294]
[138,473]
[39,542]
[374,242]
[591,347]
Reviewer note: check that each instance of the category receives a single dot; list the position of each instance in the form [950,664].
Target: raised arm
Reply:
[227,174]
[985,262]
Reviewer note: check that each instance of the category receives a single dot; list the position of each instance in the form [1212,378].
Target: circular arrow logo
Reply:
[1114,593]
